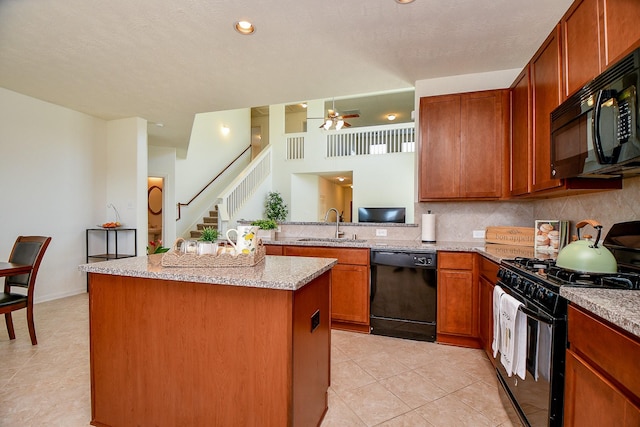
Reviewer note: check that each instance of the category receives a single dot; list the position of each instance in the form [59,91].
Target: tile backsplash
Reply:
[456,221]
[607,207]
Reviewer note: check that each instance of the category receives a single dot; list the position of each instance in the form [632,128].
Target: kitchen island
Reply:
[238,346]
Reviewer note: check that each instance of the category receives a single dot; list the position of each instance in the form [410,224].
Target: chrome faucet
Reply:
[326,217]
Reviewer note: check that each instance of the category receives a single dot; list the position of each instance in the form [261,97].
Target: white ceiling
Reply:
[166,60]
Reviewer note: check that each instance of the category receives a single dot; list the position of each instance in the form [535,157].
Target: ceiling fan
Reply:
[335,119]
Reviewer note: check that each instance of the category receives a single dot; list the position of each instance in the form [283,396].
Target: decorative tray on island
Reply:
[177,258]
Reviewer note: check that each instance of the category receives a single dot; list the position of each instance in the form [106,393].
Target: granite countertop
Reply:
[618,306]
[275,272]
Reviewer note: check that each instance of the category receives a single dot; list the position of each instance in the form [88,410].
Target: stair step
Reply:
[208,225]
[210,220]
[196,234]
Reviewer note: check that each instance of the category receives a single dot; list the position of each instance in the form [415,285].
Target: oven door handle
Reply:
[536,316]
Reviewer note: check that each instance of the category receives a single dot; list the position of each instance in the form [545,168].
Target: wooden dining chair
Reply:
[27,250]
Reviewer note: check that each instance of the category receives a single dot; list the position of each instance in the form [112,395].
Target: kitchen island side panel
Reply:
[181,353]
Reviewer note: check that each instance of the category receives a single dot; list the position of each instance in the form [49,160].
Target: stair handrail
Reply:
[211,182]
[243,186]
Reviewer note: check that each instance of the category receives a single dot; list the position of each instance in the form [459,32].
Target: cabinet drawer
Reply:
[455,260]
[489,269]
[343,255]
[273,249]
[615,352]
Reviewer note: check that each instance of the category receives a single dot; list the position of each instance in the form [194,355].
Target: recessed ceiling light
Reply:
[404,1]
[244,27]
[391,117]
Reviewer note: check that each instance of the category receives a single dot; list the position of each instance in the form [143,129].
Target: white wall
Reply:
[53,182]
[127,178]
[162,163]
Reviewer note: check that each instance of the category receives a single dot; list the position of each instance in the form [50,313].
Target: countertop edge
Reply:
[234,276]
[617,306]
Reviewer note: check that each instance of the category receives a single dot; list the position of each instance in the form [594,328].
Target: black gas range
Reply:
[539,281]
[536,283]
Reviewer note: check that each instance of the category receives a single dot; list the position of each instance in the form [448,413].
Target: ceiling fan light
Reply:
[339,124]
[327,124]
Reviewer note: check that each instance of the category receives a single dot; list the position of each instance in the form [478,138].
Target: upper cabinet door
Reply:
[440,147]
[482,143]
[463,146]
[545,82]
[619,28]
[581,55]
[520,143]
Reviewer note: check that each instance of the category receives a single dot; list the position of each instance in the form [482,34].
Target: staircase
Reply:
[207,221]
[232,198]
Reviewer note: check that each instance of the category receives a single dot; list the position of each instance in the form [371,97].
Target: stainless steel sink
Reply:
[330,239]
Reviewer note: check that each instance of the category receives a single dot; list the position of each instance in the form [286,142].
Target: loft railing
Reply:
[210,182]
[243,187]
[295,147]
[384,139]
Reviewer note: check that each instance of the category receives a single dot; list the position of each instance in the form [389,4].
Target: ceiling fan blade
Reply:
[346,125]
[350,116]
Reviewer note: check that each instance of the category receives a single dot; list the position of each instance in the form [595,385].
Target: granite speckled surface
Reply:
[274,272]
[620,307]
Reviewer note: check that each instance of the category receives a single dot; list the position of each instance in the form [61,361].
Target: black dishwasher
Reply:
[403,294]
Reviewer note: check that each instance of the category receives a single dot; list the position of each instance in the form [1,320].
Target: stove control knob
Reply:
[550,296]
[531,288]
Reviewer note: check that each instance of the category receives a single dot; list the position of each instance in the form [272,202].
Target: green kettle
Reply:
[586,256]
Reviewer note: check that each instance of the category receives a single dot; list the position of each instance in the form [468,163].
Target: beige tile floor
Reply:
[375,381]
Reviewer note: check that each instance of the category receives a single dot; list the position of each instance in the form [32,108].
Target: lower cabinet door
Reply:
[591,400]
[457,303]
[350,293]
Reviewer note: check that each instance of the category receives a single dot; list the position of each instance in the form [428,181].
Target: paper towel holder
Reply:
[428,228]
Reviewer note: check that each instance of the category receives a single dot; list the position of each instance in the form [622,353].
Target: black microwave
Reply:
[595,132]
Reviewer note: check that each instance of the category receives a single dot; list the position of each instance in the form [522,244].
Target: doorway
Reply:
[155,201]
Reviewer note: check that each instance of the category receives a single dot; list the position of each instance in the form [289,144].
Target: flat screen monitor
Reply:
[396,215]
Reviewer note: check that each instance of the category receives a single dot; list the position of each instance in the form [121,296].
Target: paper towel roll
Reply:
[428,228]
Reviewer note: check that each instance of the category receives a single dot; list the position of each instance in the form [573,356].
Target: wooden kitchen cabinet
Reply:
[595,34]
[487,279]
[534,95]
[581,45]
[349,284]
[457,318]
[273,249]
[602,375]
[462,154]
[545,84]
[520,143]
[619,28]
[590,399]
